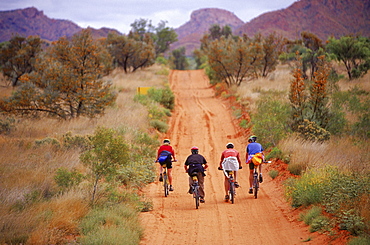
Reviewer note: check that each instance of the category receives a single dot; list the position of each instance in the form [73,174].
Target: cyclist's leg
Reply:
[169,170]
[201,184]
[169,173]
[251,168]
[260,172]
[226,184]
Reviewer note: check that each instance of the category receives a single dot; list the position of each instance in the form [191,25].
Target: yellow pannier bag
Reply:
[257,159]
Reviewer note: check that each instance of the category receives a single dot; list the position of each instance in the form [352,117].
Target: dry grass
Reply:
[27,171]
[340,152]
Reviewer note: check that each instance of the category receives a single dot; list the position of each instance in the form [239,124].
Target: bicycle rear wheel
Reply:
[256,186]
[232,192]
[196,197]
[165,185]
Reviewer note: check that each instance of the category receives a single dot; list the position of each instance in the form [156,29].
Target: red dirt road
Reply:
[202,120]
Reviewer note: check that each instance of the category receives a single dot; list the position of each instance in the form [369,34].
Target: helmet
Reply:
[229,145]
[194,150]
[253,138]
[166,141]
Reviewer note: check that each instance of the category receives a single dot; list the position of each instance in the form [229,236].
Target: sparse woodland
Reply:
[78,142]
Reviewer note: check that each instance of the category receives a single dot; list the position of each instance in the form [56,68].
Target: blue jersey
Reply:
[254,148]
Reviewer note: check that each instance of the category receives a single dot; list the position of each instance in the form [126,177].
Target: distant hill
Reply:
[201,20]
[320,17]
[30,21]
[324,18]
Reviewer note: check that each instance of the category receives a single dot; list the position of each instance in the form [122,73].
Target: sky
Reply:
[120,14]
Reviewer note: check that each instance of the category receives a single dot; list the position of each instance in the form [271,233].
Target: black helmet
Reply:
[194,150]
[253,138]
[229,145]
[166,141]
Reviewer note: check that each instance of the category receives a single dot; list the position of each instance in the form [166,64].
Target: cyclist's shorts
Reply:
[168,164]
[251,165]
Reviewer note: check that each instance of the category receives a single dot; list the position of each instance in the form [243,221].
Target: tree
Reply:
[108,152]
[297,95]
[234,59]
[18,56]
[162,36]
[272,47]
[314,49]
[178,59]
[317,105]
[131,52]
[67,81]
[354,52]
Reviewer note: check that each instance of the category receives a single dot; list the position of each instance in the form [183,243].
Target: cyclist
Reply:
[230,160]
[254,155]
[196,163]
[166,152]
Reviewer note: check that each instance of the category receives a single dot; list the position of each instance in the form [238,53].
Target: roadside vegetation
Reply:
[308,104]
[78,140]
[79,181]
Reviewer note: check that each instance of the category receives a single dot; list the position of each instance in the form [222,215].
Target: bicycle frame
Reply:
[256,183]
[195,190]
[165,181]
[230,176]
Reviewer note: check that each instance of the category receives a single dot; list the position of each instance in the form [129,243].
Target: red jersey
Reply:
[166,148]
[230,153]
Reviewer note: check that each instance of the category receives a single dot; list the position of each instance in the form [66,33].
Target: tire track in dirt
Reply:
[201,119]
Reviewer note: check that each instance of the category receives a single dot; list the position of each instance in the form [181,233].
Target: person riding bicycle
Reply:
[230,161]
[164,157]
[196,163]
[254,156]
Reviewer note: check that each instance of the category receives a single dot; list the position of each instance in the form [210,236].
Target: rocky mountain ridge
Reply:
[323,18]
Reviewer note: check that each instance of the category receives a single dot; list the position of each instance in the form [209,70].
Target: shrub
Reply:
[311,214]
[159,125]
[47,141]
[66,179]
[273,173]
[275,153]
[117,224]
[311,131]
[164,97]
[296,168]
[320,223]
[271,120]
[361,240]
[77,141]
[7,125]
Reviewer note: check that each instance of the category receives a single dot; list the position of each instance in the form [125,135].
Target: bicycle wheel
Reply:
[232,192]
[256,186]
[165,184]
[196,196]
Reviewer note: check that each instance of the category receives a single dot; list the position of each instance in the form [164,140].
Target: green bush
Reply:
[361,240]
[296,168]
[164,97]
[66,179]
[320,223]
[159,125]
[271,119]
[311,214]
[47,141]
[273,173]
[275,153]
[311,131]
[113,225]
[343,194]
[77,141]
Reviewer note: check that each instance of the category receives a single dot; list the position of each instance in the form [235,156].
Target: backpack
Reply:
[164,156]
[257,159]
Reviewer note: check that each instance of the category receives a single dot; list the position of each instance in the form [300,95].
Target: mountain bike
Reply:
[230,177]
[256,181]
[195,189]
[166,184]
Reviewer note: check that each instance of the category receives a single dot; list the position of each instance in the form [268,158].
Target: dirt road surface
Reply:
[202,120]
